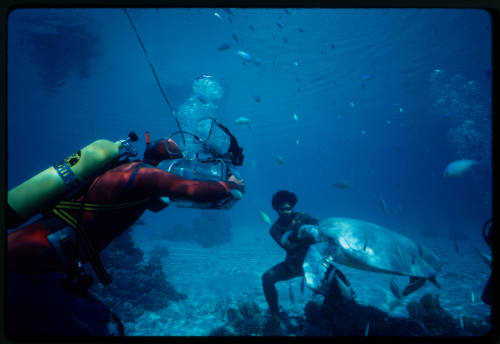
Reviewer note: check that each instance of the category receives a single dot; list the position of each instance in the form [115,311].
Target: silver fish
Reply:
[280,160]
[264,217]
[224,46]
[458,167]
[244,55]
[382,203]
[218,16]
[243,121]
[486,258]
[342,185]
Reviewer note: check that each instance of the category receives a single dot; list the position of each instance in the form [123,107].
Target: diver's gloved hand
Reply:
[239,182]
[309,231]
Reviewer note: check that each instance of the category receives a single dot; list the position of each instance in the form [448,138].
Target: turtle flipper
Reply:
[433,281]
[415,284]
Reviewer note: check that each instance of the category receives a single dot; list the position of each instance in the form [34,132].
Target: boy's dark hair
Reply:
[283,196]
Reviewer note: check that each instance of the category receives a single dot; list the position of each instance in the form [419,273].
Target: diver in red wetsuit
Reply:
[47,280]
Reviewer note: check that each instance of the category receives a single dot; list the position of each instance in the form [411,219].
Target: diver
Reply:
[53,261]
[285,232]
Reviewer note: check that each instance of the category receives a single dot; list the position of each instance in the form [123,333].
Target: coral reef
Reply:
[437,320]
[209,229]
[342,317]
[137,285]
[354,319]
[245,320]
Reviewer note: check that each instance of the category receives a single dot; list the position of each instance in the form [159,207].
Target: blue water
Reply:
[382,99]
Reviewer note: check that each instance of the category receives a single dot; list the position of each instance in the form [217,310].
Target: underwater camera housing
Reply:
[211,156]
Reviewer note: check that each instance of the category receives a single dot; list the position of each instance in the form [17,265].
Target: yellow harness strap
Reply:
[91,253]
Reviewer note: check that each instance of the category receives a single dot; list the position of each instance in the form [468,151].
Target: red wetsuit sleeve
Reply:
[158,183]
[26,248]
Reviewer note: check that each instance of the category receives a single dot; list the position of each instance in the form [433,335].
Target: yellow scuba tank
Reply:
[33,195]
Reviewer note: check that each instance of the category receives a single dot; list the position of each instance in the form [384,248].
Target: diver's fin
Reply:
[415,284]
[433,281]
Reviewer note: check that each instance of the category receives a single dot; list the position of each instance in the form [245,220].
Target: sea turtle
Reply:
[367,246]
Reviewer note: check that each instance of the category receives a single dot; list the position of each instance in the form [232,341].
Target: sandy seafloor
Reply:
[222,276]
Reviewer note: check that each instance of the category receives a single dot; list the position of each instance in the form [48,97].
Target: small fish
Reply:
[296,63]
[280,25]
[257,99]
[257,61]
[364,246]
[302,284]
[332,46]
[245,56]
[235,37]
[224,46]
[290,293]
[367,329]
[382,203]
[342,185]
[236,193]
[486,258]
[251,27]
[202,99]
[243,121]
[295,117]
[419,249]
[285,40]
[229,20]
[301,29]
[228,10]
[458,167]
[351,104]
[472,298]
[395,290]
[280,160]
[461,321]
[287,11]
[456,246]
[366,77]
[140,223]
[400,109]
[297,142]
[264,217]
[218,16]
